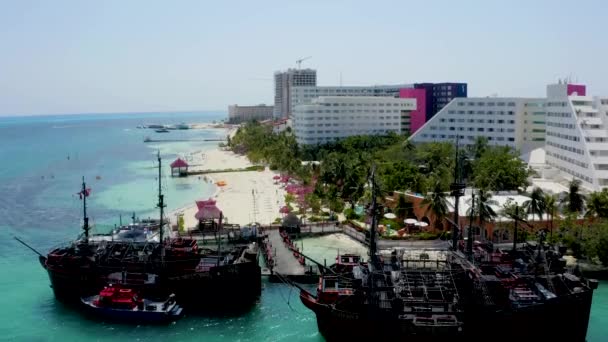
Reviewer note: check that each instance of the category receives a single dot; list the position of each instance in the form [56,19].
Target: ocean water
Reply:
[44,159]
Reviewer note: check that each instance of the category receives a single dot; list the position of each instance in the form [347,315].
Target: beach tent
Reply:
[202,203]
[207,210]
[208,213]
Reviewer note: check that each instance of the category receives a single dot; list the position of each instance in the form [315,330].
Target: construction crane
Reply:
[299,61]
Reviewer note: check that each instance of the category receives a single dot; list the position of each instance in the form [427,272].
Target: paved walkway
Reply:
[285,262]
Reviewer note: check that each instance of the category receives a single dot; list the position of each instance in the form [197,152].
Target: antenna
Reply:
[299,61]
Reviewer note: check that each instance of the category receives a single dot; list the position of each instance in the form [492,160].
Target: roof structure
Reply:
[179,162]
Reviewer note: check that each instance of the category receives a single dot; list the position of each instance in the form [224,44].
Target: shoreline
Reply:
[248,196]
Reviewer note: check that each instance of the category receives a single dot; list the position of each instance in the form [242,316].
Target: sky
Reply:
[135,56]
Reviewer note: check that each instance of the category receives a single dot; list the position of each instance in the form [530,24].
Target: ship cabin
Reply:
[346,262]
[332,287]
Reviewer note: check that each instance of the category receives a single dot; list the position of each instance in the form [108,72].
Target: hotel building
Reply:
[283,83]
[330,118]
[577,134]
[515,122]
[238,114]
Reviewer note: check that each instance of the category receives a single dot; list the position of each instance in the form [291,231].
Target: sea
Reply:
[44,160]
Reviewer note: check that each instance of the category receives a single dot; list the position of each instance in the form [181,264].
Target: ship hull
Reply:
[562,319]
[338,325]
[565,319]
[232,285]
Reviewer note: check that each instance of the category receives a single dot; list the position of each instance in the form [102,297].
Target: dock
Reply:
[286,262]
[149,140]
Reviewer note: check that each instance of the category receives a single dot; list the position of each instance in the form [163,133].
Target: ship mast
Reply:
[85,226]
[470,233]
[457,191]
[373,211]
[374,263]
[161,206]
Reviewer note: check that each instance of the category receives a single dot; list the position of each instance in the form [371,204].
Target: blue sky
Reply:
[122,56]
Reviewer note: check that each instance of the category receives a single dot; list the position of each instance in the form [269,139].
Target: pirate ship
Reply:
[476,294]
[199,276]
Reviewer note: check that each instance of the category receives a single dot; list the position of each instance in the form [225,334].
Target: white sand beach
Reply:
[248,196]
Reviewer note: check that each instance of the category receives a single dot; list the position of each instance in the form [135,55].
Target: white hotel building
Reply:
[515,122]
[577,134]
[570,126]
[330,118]
[305,94]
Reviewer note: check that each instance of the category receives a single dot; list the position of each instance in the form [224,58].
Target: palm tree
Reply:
[515,212]
[550,208]
[536,204]
[436,202]
[483,210]
[574,201]
[597,204]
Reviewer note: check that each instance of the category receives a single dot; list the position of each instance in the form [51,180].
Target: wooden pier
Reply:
[283,260]
[149,140]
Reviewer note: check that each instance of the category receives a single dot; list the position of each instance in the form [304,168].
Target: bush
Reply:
[315,219]
[351,214]
[426,236]
[277,220]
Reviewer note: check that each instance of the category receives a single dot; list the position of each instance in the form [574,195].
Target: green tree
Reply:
[313,202]
[536,204]
[574,201]
[477,149]
[482,209]
[551,209]
[597,205]
[499,168]
[515,212]
[436,202]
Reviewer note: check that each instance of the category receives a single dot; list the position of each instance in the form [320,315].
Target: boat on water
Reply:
[122,303]
[479,294]
[199,276]
[182,125]
[161,130]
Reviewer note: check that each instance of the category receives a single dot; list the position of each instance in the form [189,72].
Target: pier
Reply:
[285,259]
[150,140]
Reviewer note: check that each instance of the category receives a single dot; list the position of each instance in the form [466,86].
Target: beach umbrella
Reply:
[423,224]
[390,216]
[410,221]
[276,177]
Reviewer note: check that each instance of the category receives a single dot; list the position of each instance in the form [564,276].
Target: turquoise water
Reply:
[37,203]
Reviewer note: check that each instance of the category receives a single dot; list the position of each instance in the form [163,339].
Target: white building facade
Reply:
[515,122]
[238,114]
[331,118]
[577,135]
[306,94]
